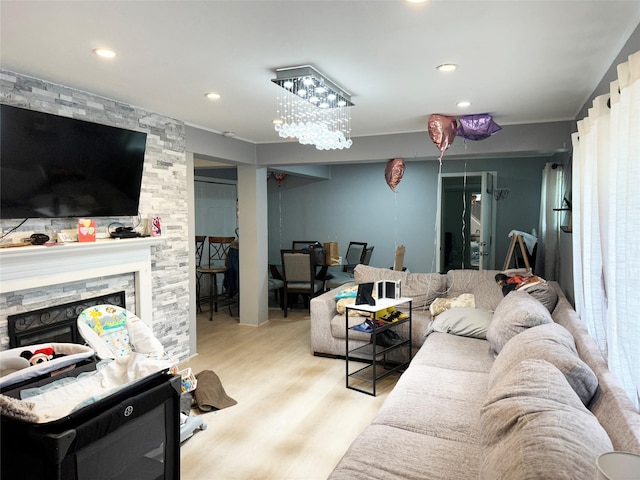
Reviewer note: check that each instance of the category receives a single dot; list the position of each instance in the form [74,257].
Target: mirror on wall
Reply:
[466,222]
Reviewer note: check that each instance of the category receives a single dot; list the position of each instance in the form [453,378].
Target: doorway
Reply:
[467,222]
[216,214]
[216,203]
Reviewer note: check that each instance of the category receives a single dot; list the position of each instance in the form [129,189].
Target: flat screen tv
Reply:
[54,167]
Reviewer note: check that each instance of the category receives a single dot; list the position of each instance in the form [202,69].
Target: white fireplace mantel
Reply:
[30,267]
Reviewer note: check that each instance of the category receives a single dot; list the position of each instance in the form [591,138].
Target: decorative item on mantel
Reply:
[86,230]
[156,229]
[312,108]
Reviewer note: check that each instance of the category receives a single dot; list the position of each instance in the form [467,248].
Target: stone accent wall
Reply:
[163,193]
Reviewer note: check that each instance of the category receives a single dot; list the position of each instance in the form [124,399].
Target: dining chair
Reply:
[355,255]
[301,244]
[218,251]
[368,252]
[298,273]
[319,258]
[200,241]
[276,283]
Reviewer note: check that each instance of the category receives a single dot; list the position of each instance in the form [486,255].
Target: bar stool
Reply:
[200,239]
[218,252]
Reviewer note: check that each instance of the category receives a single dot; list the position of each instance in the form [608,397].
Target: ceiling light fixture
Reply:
[212,96]
[447,67]
[104,52]
[464,104]
[312,108]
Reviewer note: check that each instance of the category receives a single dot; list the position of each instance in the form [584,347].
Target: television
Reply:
[56,167]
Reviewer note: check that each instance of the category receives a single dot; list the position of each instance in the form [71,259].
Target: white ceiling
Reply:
[522,61]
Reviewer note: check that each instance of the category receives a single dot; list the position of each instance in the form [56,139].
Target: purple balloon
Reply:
[477,127]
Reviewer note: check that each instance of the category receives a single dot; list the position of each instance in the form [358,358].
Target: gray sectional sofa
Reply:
[527,396]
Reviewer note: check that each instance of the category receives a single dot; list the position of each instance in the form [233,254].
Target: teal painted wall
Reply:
[357,205]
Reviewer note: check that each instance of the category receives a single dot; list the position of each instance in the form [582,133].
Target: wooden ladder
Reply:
[525,255]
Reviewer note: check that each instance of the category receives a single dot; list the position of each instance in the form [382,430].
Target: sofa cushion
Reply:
[442,304]
[455,353]
[423,288]
[533,425]
[382,452]
[553,343]
[436,401]
[464,321]
[481,283]
[515,313]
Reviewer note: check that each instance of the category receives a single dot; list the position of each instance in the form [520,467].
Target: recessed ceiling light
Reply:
[464,104]
[277,121]
[416,1]
[212,96]
[447,67]
[229,134]
[104,52]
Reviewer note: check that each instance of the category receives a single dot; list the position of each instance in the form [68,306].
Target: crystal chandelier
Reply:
[312,109]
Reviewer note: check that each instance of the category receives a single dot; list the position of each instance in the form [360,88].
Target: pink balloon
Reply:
[442,130]
[393,172]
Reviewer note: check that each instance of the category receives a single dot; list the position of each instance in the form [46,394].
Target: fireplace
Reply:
[37,268]
[56,323]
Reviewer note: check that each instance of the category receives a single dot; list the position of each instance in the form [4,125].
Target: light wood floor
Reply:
[294,418]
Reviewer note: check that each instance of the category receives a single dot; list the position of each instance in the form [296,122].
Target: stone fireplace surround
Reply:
[164,192]
[40,267]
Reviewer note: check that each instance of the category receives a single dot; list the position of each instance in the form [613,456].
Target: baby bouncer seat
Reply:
[114,332]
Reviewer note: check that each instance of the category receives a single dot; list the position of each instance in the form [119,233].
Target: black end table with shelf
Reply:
[372,353]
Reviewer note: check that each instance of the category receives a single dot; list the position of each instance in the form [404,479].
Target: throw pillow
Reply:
[516,312]
[462,321]
[440,305]
[533,425]
[553,343]
[537,287]
[545,294]
[342,304]
[349,292]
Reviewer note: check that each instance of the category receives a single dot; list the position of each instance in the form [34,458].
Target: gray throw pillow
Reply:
[533,425]
[516,312]
[545,294]
[463,321]
[553,343]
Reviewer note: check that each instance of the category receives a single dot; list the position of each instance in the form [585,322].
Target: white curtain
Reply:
[606,224]
[548,256]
